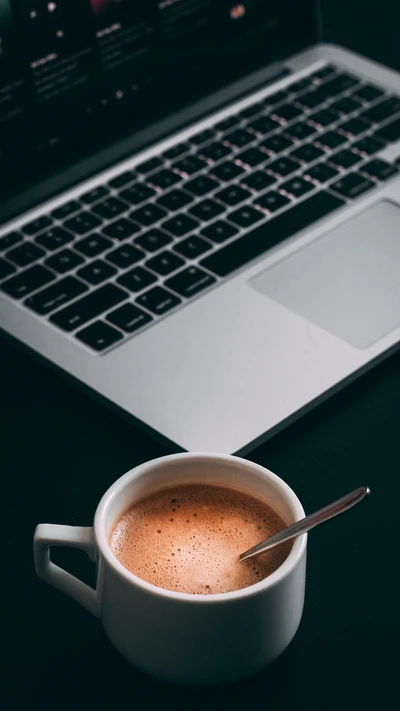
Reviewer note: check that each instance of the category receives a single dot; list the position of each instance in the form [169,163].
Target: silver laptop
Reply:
[200,209]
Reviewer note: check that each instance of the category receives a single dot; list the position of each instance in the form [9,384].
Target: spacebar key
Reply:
[88,307]
[257,241]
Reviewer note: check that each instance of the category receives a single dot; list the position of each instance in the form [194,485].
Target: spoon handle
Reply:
[305,524]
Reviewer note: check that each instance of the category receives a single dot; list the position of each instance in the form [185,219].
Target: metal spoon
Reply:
[305,524]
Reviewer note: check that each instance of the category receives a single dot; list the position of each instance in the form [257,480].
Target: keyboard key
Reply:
[245,216]
[352,185]
[82,223]
[192,247]
[121,229]
[25,282]
[164,179]
[137,193]
[96,272]
[158,300]
[297,187]
[38,225]
[93,245]
[148,214]
[368,92]
[124,257]
[251,157]
[321,172]
[206,210]
[239,138]
[219,231]
[9,240]
[176,151]
[256,242]
[90,306]
[345,159]
[307,153]
[64,261]
[99,336]
[345,105]
[272,201]
[207,135]
[54,238]
[227,123]
[276,144]
[390,132]
[153,240]
[137,279]
[339,84]
[129,318]
[110,208]
[25,254]
[60,213]
[121,180]
[300,85]
[368,145]
[287,112]
[94,195]
[149,165]
[300,130]
[202,185]
[331,140]
[227,171]
[233,195]
[164,263]
[175,199]
[323,117]
[190,281]
[258,180]
[353,127]
[189,165]
[380,169]
[311,99]
[277,98]
[6,269]
[282,166]
[215,151]
[56,295]
[321,74]
[180,225]
[262,125]
[382,111]
[252,110]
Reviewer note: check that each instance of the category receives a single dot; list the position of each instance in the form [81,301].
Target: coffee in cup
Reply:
[179,636]
[188,538]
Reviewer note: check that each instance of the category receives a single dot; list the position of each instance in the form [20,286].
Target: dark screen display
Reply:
[12,87]
[75,74]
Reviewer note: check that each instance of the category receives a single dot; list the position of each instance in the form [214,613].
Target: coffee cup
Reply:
[176,636]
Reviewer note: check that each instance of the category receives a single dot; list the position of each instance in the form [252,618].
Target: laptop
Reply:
[200,209]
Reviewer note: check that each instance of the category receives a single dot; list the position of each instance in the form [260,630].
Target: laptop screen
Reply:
[75,74]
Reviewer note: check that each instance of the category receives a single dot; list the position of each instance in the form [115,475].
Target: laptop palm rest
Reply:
[346,282]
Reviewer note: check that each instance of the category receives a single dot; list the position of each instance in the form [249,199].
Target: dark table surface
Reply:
[61,451]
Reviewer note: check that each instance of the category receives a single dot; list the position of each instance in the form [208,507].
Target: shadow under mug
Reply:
[181,637]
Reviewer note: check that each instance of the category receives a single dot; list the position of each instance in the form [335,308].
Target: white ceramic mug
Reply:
[176,636]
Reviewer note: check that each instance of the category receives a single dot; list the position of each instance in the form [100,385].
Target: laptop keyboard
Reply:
[110,263]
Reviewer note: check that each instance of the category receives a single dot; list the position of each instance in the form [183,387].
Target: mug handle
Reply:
[49,534]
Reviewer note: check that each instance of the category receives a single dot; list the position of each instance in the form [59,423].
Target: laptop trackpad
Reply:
[347,281]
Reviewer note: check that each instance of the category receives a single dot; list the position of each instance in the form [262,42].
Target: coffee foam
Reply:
[188,539]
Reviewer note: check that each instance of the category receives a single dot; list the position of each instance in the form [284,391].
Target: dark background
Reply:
[61,450]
